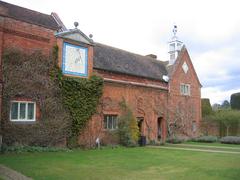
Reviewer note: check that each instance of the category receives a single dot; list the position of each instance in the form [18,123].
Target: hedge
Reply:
[235,101]
[230,140]
[207,139]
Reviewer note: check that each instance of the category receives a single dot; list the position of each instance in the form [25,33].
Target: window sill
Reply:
[110,130]
[23,122]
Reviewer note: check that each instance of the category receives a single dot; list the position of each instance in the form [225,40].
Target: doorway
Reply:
[140,125]
[159,128]
[142,138]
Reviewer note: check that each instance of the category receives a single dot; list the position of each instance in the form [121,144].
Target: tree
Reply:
[227,117]
[206,107]
[235,101]
[225,104]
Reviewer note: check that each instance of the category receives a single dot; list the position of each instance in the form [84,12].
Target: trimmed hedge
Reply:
[206,107]
[207,139]
[235,101]
[230,140]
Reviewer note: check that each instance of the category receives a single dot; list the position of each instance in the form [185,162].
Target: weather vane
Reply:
[175,30]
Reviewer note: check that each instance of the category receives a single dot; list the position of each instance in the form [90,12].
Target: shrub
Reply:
[175,140]
[22,149]
[207,139]
[230,140]
[127,127]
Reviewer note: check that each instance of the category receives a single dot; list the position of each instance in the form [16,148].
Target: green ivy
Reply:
[80,96]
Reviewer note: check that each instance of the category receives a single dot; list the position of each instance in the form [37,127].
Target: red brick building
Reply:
[164,96]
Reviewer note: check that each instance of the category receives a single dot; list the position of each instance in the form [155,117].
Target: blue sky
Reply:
[209,29]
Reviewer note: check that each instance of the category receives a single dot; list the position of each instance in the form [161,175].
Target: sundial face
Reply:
[75,60]
[185,67]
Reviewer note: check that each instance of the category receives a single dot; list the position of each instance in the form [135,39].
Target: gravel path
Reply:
[195,149]
[10,174]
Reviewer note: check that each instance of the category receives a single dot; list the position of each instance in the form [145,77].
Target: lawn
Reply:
[126,163]
[207,146]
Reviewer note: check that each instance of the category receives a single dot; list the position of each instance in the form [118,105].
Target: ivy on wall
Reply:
[26,75]
[66,103]
[80,96]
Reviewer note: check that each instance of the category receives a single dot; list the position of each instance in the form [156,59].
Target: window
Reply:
[185,89]
[22,111]
[172,56]
[172,47]
[110,122]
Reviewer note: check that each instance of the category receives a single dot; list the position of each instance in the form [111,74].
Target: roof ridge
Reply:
[144,56]
[37,12]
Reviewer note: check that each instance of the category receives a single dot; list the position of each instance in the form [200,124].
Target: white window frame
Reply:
[26,111]
[108,116]
[185,89]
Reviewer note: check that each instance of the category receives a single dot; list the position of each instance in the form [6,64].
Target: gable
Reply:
[183,67]
[75,35]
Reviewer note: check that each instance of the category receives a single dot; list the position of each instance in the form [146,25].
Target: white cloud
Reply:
[217,96]
[214,65]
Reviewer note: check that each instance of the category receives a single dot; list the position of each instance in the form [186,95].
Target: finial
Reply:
[90,36]
[174,29]
[76,24]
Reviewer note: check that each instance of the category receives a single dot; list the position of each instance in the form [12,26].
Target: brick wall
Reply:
[147,98]
[148,103]
[189,106]
[25,36]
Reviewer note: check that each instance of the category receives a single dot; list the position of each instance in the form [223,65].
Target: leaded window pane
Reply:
[22,110]
[114,122]
[30,111]
[110,123]
[105,122]
[14,110]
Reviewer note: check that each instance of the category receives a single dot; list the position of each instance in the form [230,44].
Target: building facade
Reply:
[165,97]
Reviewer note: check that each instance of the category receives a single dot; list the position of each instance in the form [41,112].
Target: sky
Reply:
[210,29]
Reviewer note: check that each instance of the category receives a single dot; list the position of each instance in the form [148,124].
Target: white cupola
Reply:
[174,46]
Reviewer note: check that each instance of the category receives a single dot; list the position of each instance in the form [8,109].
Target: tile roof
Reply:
[27,15]
[120,61]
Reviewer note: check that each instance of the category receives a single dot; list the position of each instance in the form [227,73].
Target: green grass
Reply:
[207,146]
[126,163]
